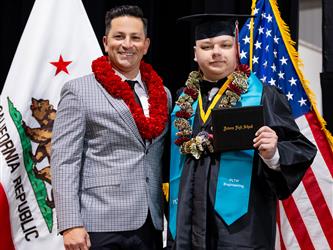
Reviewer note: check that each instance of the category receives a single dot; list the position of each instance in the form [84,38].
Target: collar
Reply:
[206,86]
[137,78]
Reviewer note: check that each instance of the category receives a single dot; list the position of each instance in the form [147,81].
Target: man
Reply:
[108,142]
[227,199]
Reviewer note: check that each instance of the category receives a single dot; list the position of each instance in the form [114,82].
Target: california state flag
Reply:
[58,44]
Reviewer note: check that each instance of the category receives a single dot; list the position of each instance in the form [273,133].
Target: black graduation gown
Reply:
[200,227]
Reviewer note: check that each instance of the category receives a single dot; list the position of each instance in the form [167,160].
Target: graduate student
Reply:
[227,200]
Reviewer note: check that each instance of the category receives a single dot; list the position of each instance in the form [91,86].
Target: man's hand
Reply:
[266,142]
[76,238]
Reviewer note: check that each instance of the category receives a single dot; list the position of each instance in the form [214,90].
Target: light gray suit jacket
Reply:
[104,176]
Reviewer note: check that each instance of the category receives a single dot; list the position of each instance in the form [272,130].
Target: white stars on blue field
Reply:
[270,60]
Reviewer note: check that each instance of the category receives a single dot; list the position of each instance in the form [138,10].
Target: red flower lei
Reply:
[149,127]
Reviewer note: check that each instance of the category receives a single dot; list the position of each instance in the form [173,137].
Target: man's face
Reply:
[126,44]
[216,56]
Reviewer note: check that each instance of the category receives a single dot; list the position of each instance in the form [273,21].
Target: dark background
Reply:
[171,51]
[326,77]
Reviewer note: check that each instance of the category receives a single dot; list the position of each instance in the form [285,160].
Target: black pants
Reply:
[144,238]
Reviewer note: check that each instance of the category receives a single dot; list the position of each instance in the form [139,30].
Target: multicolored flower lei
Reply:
[149,127]
[203,141]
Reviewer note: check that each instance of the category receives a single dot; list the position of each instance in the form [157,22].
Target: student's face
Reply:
[126,44]
[216,56]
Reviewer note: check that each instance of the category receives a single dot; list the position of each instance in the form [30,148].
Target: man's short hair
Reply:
[124,10]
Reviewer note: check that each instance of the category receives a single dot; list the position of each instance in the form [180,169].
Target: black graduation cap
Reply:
[211,25]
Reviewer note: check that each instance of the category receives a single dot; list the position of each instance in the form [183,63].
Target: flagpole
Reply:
[254,2]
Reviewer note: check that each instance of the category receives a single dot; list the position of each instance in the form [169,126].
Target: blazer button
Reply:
[147,179]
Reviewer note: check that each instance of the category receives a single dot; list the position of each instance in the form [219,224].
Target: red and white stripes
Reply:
[304,220]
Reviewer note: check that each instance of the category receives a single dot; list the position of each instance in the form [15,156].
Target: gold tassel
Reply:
[165,188]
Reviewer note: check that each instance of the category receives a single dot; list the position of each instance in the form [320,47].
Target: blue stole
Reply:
[234,178]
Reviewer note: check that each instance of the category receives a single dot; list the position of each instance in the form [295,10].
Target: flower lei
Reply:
[149,127]
[203,141]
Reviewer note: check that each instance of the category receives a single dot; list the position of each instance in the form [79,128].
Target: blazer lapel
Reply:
[123,110]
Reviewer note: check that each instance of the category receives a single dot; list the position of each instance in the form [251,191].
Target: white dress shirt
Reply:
[140,91]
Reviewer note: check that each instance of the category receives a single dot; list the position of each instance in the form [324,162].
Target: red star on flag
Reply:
[61,65]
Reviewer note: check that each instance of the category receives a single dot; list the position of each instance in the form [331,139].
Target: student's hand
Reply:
[76,238]
[266,142]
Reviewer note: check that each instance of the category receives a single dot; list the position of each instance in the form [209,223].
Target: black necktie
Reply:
[132,84]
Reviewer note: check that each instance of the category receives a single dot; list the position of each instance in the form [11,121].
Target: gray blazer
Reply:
[104,176]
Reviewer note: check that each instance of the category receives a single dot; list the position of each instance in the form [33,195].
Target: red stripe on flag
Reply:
[278,221]
[321,140]
[319,205]
[5,229]
[297,224]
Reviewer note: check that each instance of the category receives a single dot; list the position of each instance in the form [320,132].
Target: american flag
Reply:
[304,220]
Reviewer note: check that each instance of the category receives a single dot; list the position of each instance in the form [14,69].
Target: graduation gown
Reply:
[198,224]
